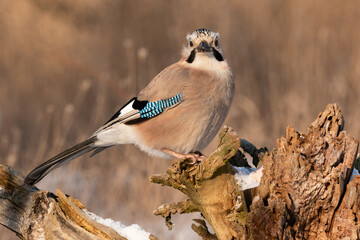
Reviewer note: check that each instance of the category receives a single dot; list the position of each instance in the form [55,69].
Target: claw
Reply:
[195,157]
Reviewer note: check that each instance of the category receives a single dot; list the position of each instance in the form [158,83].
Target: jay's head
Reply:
[203,41]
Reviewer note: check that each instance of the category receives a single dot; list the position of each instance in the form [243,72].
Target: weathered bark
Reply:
[35,214]
[304,181]
[304,192]
[211,189]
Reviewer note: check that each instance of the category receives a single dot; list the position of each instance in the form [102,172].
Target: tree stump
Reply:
[304,192]
[305,186]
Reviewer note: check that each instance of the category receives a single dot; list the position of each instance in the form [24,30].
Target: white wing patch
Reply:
[127,108]
[126,113]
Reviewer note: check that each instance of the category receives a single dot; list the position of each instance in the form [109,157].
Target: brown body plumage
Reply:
[193,124]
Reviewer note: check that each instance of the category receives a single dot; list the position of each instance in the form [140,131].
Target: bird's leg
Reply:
[196,156]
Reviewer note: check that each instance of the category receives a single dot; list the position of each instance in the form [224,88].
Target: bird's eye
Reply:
[216,42]
[191,43]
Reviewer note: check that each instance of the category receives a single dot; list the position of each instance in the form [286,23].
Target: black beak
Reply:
[203,47]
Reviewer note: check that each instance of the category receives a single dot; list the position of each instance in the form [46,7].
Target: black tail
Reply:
[41,171]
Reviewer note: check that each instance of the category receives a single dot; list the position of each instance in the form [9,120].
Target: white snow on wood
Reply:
[248,177]
[355,172]
[132,232]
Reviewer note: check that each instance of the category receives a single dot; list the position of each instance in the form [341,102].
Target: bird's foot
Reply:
[195,157]
[198,156]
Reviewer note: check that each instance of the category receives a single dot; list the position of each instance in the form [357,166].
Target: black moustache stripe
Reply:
[217,55]
[191,58]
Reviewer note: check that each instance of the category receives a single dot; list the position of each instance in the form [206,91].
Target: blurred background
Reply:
[67,66]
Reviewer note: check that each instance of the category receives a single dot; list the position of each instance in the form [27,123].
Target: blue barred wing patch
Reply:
[153,109]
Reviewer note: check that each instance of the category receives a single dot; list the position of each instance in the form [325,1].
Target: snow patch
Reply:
[248,177]
[355,172]
[132,232]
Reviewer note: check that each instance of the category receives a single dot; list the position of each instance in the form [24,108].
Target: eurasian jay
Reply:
[177,114]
